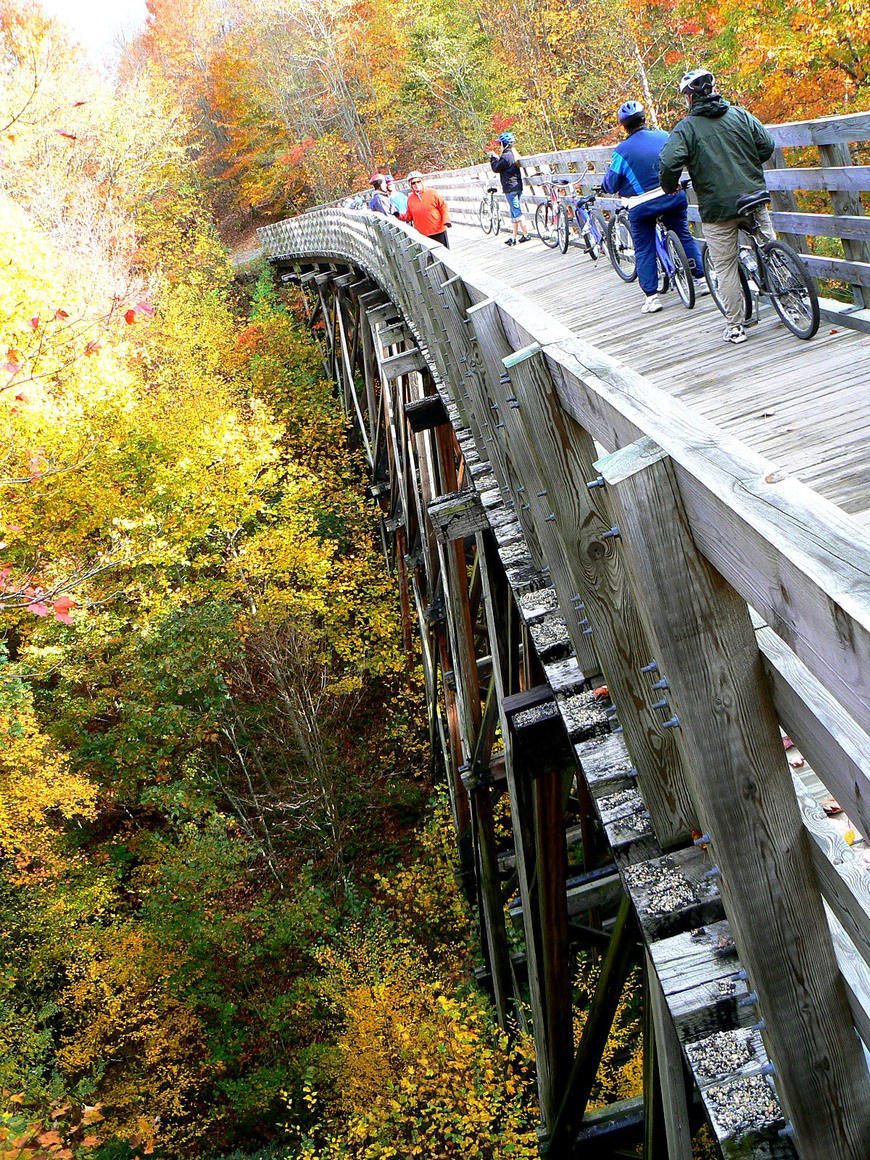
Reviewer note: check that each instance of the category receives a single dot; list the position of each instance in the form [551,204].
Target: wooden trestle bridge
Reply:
[558,523]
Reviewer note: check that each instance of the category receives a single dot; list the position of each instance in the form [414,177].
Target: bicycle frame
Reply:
[769,268]
[662,254]
[751,258]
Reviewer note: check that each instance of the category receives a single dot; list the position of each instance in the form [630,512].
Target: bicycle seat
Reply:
[747,202]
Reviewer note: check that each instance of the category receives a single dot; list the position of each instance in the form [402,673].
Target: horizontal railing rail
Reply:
[842,221]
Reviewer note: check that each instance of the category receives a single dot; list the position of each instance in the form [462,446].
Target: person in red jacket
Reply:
[426,211]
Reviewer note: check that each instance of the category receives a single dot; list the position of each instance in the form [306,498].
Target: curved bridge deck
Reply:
[482,419]
[804,405]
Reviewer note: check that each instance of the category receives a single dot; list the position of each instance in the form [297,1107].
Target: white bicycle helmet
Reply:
[697,81]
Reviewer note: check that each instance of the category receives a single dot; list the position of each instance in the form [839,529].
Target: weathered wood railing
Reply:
[835,175]
[719,599]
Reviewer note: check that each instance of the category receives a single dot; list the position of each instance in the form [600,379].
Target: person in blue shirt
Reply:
[398,199]
[634,175]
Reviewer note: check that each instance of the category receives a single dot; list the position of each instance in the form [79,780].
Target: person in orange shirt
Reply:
[426,210]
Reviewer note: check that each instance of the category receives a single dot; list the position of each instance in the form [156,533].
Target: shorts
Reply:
[513,200]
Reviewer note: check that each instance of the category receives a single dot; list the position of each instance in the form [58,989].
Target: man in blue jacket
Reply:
[508,168]
[634,175]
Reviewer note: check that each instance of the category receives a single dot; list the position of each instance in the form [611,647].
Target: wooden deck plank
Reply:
[814,394]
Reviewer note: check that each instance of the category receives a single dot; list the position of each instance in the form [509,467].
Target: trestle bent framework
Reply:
[619,609]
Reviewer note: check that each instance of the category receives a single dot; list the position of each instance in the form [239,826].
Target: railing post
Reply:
[561,456]
[508,447]
[846,202]
[720,710]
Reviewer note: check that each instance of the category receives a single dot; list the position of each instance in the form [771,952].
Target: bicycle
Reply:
[547,212]
[587,221]
[620,245]
[674,268]
[488,211]
[769,270]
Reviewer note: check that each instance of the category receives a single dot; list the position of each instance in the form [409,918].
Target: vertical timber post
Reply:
[721,711]
[543,760]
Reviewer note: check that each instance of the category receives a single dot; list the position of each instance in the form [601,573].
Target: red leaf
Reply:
[37,463]
[130,316]
[61,608]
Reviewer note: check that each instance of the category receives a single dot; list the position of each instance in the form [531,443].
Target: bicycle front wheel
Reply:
[620,246]
[545,224]
[682,279]
[563,229]
[713,283]
[598,232]
[791,289]
[484,215]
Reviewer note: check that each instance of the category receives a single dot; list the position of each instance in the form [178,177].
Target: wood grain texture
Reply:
[835,746]
[744,798]
[670,1069]
[563,456]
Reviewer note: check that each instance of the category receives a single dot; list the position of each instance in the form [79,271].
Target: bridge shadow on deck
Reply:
[805,405]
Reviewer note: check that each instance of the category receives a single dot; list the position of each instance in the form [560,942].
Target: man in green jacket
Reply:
[723,148]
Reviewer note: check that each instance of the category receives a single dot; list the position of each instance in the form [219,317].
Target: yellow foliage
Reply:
[423,895]
[121,1017]
[34,781]
[420,1071]
[620,1074]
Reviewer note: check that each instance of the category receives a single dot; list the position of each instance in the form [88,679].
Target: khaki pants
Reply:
[721,237]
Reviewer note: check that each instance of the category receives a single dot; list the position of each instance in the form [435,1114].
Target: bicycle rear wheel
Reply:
[620,247]
[484,214]
[598,227]
[545,224]
[713,283]
[682,279]
[494,212]
[791,290]
[563,229]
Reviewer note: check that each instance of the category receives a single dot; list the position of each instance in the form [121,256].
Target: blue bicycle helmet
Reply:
[506,138]
[630,109]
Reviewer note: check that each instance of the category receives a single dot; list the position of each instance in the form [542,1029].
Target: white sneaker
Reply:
[651,305]
[734,334]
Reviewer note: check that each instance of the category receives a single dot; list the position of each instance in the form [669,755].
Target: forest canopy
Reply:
[229,918]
